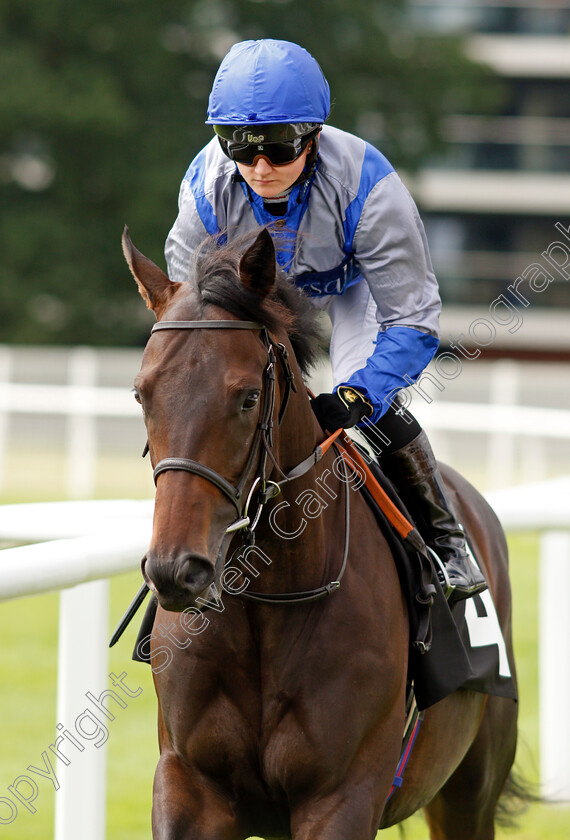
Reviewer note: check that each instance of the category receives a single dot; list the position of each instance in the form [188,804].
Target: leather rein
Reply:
[262,488]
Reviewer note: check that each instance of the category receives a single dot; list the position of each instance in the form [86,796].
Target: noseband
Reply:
[263,436]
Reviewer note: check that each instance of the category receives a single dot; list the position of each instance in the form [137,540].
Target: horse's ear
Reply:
[154,286]
[257,265]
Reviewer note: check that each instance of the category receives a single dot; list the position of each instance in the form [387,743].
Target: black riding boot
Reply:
[414,471]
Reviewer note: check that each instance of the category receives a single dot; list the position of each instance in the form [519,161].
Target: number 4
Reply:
[484,630]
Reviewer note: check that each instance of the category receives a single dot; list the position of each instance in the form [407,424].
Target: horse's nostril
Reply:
[177,578]
[196,574]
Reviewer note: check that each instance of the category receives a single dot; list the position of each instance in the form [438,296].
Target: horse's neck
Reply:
[297,436]
[306,513]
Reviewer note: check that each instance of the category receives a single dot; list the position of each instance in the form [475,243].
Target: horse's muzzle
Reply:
[179,580]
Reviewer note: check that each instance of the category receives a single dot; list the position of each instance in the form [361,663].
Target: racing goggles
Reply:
[279,153]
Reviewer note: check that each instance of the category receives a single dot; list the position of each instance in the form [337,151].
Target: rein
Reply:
[326,589]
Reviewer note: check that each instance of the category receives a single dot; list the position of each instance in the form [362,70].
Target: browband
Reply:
[209,325]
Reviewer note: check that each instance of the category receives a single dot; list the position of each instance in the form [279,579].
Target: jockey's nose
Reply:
[261,165]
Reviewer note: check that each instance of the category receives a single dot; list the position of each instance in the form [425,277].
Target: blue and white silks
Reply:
[356,245]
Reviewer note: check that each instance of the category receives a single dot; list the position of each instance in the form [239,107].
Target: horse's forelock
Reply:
[216,274]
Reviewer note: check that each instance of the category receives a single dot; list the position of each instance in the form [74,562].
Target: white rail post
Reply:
[504,390]
[82,424]
[82,667]
[554,665]
[533,459]
[5,376]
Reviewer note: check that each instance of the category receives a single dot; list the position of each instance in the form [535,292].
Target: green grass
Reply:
[28,629]
[28,662]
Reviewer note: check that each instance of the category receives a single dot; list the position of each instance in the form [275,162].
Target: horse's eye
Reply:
[251,400]
[137,397]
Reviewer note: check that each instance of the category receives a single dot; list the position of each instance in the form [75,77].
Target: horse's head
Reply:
[204,392]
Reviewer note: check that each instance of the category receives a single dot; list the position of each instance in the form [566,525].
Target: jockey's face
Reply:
[267,180]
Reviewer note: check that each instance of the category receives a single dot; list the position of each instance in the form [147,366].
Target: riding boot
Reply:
[414,471]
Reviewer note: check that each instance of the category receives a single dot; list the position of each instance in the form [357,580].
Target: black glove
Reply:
[342,410]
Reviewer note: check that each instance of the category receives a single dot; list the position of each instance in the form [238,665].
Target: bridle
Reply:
[261,452]
[263,439]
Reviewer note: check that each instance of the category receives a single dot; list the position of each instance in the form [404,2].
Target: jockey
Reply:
[350,236]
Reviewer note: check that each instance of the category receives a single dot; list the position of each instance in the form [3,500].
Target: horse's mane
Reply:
[216,274]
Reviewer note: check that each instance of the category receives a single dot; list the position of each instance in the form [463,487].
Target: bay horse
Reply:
[282,716]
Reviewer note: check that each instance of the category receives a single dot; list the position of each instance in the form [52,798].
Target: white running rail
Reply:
[512,431]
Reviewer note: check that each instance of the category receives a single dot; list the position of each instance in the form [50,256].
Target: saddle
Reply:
[450,655]
[438,660]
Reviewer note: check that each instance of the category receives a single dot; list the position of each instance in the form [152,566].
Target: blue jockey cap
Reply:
[267,82]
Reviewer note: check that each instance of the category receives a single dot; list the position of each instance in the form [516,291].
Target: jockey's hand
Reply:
[342,410]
